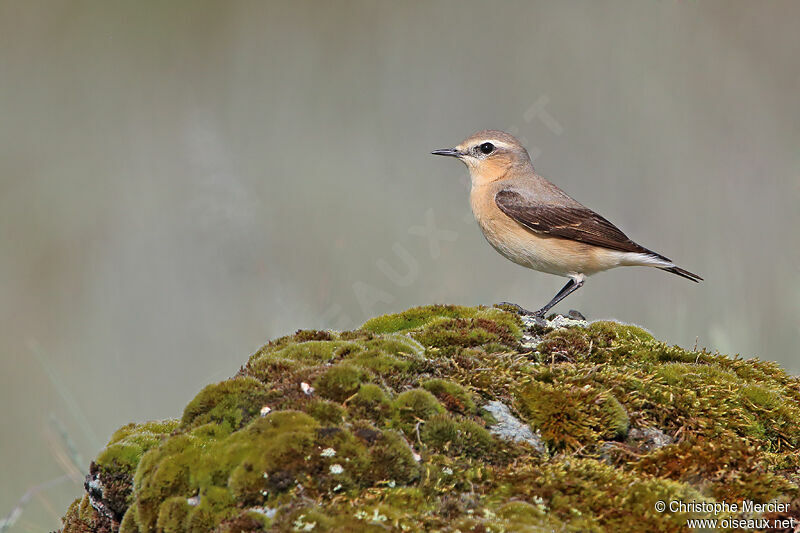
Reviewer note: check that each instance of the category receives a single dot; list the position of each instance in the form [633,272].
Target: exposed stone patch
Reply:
[536,327]
[509,427]
[649,439]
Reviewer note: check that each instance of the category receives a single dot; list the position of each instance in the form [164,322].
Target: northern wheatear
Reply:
[535,224]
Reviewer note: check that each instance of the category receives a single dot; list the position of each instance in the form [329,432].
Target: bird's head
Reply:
[490,155]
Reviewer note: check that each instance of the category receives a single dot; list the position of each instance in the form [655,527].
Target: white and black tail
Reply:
[678,271]
[650,258]
[682,273]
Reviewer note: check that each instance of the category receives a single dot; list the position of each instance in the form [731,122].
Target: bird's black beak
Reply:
[452,152]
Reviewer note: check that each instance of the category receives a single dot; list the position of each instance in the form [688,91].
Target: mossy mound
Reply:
[385,428]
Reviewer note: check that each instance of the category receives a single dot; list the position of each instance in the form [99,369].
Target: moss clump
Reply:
[325,412]
[608,333]
[380,362]
[232,403]
[454,397]
[393,461]
[571,416]
[422,318]
[445,434]
[415,406]
[285,356]
[370,402]
[454,333]
[130,522]
[82,517]
[340,382]
[380,429]
[127,444]
[732,469]
[613,416]
[588,495]
[114,467]
[415,318]
[172,514]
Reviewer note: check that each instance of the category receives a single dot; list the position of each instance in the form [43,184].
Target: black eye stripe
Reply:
[486,148]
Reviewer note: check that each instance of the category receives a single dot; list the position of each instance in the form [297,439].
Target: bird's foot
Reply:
[508,306]
[536,317]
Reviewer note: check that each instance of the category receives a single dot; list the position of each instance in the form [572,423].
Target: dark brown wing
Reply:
[574,223]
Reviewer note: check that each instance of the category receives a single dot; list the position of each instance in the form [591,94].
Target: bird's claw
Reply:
[520,310]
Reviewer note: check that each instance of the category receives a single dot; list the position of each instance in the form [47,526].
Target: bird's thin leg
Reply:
[571,286]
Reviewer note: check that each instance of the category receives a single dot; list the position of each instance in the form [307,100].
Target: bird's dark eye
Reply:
[486,148]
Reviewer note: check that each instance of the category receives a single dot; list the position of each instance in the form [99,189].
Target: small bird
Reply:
[537,225]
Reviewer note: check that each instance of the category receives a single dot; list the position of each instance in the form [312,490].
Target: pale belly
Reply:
[546,254]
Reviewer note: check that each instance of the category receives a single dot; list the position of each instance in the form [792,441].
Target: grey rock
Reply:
[509,427]
[561,321]
[649,439]
[558,321]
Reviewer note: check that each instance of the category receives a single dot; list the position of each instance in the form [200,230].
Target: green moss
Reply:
[371,402]
[232,402]
[380,362]
[79,517]
[172,515]
[415,318]
[414,406]
[588,495]
[571,416]
[391,438]
[325,412]
[761,398]
[613,415]
[157,479]
[275,360]
[129,523]
[565,345]
[419,318]
[216,505]
[127,444]
[393,461]
[454,397]
[714,398]
[316,351]
[607,332]
[599,342]
[340,382]
[153,427]
[269,367]
[684,373]
[445,434]
[454,333]
[731,464]
[396,344]
[522,513]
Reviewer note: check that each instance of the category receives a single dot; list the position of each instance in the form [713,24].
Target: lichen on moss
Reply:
[385,428]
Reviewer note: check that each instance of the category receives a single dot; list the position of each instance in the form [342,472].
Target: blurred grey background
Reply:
[182,181]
